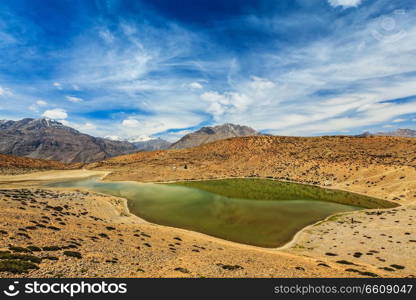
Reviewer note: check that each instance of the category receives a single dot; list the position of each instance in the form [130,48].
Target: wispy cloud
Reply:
[196,85]
[74,99]
[333,84]
[41,103]
[35,107]
[345,3]
[57,85]
[5,91]
[56,114]
[282,71]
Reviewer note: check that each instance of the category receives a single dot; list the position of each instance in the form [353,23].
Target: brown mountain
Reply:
[381,166]
[211,134]
[51,140]
[342,161]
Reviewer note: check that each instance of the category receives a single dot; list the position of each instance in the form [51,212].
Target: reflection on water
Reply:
[265,223]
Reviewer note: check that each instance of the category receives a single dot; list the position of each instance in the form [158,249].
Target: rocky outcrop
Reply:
[51,140]
[211,134]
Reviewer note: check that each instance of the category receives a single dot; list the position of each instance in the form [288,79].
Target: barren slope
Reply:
[383,167]
[20,165]
[83,234]
[48,139]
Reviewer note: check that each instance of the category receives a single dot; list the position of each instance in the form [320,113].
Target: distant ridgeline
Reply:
[399,132]
[52,140]
[212,134]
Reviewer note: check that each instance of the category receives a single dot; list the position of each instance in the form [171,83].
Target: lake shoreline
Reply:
[69,175]
[287,248]
[393,203]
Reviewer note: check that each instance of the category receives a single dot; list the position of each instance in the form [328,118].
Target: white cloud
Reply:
[106,35]
[196,86]
[113,137]
[256,92]
[74,99]
[158,123]
[259,84]
[139,70]
[345,3]
[399,120]
[388,126]
[57,85]
[55,114]
[141,138]
[87,126]
[41,103]
[5,92]
[333,83]
[130,123]
[33,108]
[119,66]
[174,136]
[220,104]
[338,83]
[181,133]
[127,28]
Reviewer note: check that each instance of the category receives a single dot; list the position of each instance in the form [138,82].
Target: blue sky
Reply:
[162,67]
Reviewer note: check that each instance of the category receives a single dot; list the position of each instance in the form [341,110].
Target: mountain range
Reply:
[144,142]
[51,140]
[210,134]
[401,132]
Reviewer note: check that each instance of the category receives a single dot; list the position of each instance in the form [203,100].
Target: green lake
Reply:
[258,212]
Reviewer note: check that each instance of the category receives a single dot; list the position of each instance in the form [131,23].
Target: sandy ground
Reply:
[114,243]
[384,239]
[50,175]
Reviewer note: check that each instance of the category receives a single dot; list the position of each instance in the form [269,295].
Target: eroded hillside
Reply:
[382,166]
[13,165]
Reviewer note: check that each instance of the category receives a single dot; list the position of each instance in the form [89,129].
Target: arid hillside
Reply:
[376,165]
[58,233]
[52,140]
[14,165]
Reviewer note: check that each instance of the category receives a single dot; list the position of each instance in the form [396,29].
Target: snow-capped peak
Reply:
[46,122]
[142,138]
[113,138]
